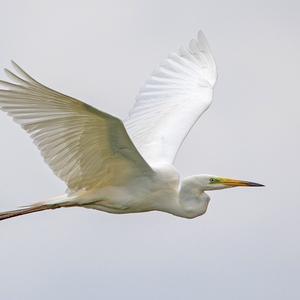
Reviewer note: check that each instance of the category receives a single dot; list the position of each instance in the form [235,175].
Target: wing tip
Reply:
[202,38]
[203,45]
[16,66]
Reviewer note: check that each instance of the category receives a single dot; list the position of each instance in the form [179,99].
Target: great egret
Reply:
[122,167]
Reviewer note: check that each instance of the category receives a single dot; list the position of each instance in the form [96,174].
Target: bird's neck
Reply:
[190,203]
[193,202]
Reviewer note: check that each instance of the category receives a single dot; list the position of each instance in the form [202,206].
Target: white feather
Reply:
[85,147]
[171,101]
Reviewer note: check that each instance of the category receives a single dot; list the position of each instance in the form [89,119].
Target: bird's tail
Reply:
[54,203]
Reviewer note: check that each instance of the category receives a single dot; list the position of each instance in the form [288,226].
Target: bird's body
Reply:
[161,191]
[122,167]
[158,191]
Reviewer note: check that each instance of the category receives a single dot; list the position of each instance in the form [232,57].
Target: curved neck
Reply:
[191,201]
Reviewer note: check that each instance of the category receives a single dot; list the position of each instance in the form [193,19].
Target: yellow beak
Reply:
[234,182]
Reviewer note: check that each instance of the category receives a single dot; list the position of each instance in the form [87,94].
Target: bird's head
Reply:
[194,200]
[211,182]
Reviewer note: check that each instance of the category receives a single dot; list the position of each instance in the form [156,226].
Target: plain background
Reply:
[247,246]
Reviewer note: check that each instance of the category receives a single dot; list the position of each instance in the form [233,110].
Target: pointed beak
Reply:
[234,183]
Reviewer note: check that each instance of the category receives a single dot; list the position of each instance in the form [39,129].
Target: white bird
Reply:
[122,167]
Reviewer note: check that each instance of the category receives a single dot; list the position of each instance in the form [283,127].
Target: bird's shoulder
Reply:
[166,173]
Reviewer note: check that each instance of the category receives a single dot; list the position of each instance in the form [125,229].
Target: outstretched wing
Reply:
[85,147]
[171,101]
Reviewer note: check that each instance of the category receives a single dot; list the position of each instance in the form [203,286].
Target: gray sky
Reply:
[247,246]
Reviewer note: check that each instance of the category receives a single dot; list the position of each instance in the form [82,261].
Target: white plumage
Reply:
[85,147]
[117,168]
[171,101]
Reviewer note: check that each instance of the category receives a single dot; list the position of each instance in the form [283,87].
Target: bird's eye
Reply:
[212,180]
